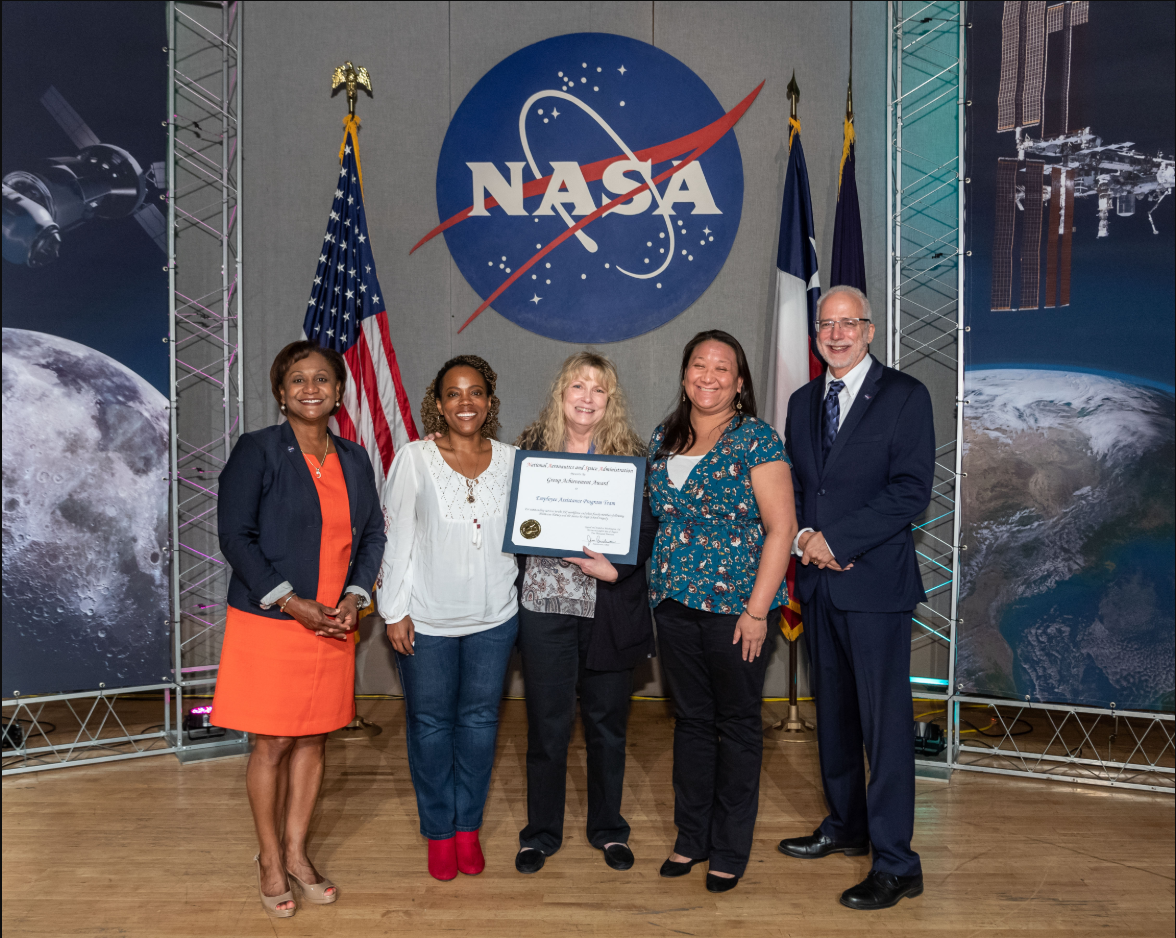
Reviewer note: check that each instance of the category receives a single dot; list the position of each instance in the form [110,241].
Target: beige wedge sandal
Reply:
[271,903]
[316,893]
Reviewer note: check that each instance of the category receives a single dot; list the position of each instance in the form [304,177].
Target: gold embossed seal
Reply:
[530,529]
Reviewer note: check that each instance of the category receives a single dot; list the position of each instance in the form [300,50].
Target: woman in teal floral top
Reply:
[721,489]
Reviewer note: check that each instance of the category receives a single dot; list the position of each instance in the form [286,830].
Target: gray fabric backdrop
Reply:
[424,58]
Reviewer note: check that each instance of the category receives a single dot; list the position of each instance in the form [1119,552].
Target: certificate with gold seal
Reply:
[561,503]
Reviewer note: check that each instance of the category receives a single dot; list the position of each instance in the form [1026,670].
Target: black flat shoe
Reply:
[670,869]
[882,890]
[530,860]
[618,856]
[818,845]
[720,883]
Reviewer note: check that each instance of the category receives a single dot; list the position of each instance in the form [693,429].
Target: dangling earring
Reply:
[738,405]
[282,407]
[683,397]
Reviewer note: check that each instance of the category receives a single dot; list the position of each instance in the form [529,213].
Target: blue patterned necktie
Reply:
[832,416]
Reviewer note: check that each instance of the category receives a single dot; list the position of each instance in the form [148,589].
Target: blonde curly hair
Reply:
[614,435]
[431,419]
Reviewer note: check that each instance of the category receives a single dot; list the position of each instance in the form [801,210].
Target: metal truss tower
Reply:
[204,214]
[925,288]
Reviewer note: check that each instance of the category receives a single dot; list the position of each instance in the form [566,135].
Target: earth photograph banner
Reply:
[1068,559]
[85,317]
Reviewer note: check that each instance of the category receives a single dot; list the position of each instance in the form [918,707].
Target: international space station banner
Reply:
[1067,575]
[85,492]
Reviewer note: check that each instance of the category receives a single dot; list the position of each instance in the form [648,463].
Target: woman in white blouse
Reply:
[448,597]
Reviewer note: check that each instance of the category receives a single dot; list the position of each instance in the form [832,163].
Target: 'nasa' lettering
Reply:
[567,187]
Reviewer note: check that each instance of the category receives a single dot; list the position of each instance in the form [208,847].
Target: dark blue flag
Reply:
[848,266]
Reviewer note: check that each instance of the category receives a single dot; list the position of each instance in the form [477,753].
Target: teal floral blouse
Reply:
[709,535]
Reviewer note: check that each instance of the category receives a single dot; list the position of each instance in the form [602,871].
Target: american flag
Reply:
[347,312]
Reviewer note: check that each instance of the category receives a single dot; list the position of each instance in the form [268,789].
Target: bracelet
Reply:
[282,605]
[754,616]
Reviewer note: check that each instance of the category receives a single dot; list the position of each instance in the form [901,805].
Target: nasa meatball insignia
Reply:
[590,187]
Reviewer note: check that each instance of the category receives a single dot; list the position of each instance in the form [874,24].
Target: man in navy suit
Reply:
[862,444]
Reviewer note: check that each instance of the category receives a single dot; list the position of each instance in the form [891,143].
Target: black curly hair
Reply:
[431,419]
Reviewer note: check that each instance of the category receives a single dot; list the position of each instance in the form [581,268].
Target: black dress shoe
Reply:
[670,869]
[618,856]
[720,883]
[818,845]
[530,860]
[882,890]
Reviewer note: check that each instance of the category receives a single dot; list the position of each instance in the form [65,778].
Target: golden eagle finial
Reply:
[347,74]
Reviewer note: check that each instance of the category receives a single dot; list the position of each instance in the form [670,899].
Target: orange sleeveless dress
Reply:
[277,677]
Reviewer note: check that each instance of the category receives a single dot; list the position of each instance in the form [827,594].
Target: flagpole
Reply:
[793,723]
[351,78]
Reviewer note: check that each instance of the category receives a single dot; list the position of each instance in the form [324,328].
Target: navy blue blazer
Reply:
[270,523]
[876,484]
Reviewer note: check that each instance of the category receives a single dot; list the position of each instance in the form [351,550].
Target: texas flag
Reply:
[797,291]
[797,285]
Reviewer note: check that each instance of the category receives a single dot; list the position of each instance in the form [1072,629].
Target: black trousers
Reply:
[861,668]
[554,649]
[718,736]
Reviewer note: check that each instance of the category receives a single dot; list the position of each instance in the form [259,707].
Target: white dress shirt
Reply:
[853,383]
[444,564]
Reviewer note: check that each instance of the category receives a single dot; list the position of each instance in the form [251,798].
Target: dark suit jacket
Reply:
[271,525]
[622,628]
[875,485]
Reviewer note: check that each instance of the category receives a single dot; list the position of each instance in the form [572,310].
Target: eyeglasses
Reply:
[847,325]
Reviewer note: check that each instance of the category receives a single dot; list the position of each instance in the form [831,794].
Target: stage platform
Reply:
[150,848]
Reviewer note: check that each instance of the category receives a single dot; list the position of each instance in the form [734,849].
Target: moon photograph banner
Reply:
[85,372]
[1068,570]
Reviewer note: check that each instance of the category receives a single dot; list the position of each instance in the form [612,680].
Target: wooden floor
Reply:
[152,848]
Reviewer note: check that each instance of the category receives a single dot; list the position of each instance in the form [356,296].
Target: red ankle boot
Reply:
[443,859]
[469,853]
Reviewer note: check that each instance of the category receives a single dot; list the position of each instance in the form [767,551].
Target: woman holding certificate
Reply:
[448,597]
[720,485]
[583,624]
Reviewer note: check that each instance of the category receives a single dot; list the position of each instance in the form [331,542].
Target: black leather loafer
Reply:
[882,890]
[720,883]
[530,860]
[618,856]
[818,845]
[670,869]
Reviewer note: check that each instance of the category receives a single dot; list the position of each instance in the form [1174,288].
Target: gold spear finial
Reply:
[347,74]
[793,94]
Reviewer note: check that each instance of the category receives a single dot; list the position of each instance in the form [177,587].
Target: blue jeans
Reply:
[452,689]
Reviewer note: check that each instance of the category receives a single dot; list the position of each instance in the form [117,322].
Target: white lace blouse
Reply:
[444,564]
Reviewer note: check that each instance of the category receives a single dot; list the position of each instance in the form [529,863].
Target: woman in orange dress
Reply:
[301,525]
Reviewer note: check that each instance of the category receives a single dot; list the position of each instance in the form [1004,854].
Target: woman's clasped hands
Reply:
[324,621]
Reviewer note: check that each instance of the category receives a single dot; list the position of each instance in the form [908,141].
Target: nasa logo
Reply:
[589,187]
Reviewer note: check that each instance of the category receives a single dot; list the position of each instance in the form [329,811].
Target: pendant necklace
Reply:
[470,483]
[318,470]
